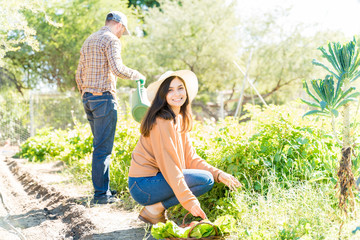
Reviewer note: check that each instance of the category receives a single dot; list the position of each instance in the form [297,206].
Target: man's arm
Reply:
[113,53]
[79,73]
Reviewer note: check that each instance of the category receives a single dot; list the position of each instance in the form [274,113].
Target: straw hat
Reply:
[190,79]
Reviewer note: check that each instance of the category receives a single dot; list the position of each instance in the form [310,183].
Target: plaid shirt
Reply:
[100,63]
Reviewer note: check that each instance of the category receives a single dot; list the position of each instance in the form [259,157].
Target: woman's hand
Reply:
[229,181]
[196,211]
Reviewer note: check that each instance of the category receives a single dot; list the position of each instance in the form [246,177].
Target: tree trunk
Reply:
[345,175]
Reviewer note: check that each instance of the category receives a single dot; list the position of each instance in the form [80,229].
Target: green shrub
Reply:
[46,145]
[126,137]
[276,143]
[286,164]
[78,144]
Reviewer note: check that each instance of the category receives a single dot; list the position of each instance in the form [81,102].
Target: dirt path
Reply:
[38,201]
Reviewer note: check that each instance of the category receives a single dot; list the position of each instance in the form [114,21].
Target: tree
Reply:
[209,36]
[336,92]
[144,3]
[15,31]
[196,35]
[281,58]
[59,46]
[8,79]
[282,54]
[14,27]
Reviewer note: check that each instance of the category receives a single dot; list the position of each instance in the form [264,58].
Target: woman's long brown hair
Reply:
[160,108]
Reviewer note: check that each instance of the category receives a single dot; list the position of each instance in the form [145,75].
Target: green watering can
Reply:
[139,101]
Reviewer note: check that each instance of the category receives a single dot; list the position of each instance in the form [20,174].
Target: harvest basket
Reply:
[192,238]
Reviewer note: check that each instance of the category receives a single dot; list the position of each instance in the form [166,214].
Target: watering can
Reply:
[139,101]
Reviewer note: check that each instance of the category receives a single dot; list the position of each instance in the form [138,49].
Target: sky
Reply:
[343,15]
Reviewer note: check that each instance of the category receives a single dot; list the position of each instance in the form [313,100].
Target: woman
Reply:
[165,168]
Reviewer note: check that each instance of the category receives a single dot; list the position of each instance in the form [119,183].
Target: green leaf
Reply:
[335,112]
[338,90]
[204,229]
[196,232]
[354,95]
[158,231]
[305,85]
[173,229]
[317,87]
[312,104]
[315,62]
[342,103]
[344,94]
[323,105]
[226,224]
[332,58]
[328,86]
[315,112]
[356,75]
[185,232]
[356,61]
[345,59]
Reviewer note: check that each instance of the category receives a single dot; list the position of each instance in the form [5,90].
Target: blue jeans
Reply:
[151,190]
[101,113]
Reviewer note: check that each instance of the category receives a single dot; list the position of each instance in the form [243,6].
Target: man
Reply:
[99,66]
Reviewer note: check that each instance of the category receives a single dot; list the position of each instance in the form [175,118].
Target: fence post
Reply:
[221,112]
[32,127]
[239,105]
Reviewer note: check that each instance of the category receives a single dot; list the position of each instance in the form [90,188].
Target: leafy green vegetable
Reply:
[168,229]
[185,232]
[159,231]
[203,230]
[173,229]
[224,225]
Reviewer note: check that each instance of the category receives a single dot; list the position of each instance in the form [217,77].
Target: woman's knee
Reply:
[210,181]
[195,177]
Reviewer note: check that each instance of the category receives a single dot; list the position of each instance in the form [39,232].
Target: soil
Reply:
[40,201]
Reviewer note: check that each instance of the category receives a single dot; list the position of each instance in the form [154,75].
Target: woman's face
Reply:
[176,95]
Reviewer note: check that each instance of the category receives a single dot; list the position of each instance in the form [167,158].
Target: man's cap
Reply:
[120,18]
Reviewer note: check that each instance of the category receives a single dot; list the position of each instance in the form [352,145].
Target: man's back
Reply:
[94,55]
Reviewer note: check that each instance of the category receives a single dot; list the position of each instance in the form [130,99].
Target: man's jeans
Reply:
[101,112]
[151,190]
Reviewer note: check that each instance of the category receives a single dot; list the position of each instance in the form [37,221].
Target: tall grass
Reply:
[301,211]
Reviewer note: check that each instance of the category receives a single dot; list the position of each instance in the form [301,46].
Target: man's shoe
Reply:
[105,200]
